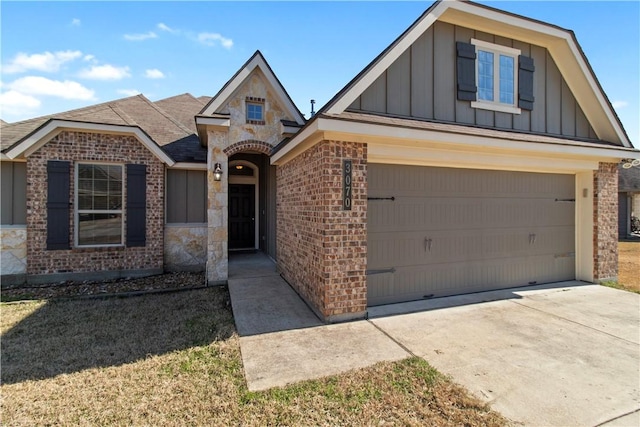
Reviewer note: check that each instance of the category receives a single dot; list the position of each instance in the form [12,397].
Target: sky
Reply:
[57,56]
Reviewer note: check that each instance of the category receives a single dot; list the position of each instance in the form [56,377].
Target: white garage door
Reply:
[442,231]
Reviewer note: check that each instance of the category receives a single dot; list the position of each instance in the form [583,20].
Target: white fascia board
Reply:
[213,121]
[189,166]
[52,128]
[228,91]
[302,138]
[385,62]
[374,133]
[5,158]
[290,129]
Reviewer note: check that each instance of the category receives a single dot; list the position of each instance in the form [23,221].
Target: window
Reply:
[255,110]
[496,77]
[99,204]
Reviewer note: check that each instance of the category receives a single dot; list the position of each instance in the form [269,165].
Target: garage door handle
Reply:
[532,239]
[427,244]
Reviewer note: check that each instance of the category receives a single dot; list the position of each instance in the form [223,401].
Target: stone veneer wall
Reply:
[92,147]
[185,247]
[13,250]
[322,249]
[605,222]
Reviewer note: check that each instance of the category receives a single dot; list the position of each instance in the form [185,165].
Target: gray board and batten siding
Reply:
[13,193]
[421,84]
[186,196]
[435,232]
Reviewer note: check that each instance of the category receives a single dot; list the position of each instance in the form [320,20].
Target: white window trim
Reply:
[497,105]
[77,212]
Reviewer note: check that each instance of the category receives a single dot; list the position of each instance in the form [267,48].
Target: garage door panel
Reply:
[433,213]
[438,280]
[408,181]
[451,231]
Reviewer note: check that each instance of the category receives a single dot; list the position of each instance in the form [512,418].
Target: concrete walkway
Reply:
[561,355]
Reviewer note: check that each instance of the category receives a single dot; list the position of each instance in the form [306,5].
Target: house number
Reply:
[347,184]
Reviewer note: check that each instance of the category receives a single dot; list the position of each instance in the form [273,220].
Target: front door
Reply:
[242,216]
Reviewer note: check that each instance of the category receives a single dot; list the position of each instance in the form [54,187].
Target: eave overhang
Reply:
[406,141]
[36,139]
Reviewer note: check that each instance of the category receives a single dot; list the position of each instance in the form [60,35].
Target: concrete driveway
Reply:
[565,355]
[554,355]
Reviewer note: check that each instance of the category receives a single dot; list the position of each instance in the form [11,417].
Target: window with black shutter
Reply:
[58,209]
[136,205]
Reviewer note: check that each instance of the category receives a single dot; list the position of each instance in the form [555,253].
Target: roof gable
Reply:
[560,43]
[240,77]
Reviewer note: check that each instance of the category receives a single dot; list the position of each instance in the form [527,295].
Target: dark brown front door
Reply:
[241,216]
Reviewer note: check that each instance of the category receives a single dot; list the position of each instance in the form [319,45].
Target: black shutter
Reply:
[136,205]
[58,204]
[466,71]
[525,82]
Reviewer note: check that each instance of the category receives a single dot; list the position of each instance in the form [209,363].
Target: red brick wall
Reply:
[83,146]
[605,222]
[322,249]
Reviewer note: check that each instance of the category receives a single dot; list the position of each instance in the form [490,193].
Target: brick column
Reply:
[605,222]
[322,248]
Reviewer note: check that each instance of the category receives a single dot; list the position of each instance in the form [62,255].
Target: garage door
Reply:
[442,231]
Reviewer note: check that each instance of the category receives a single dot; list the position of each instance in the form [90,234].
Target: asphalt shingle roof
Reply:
[169,122]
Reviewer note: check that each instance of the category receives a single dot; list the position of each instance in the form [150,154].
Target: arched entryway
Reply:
[252,203]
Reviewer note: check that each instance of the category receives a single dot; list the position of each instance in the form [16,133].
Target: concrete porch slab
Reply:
[281,358]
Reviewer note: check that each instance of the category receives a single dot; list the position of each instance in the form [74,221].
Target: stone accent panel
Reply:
[605,222]
[217,212]
[13,250]
[185,247]
[92,147]
[322,249]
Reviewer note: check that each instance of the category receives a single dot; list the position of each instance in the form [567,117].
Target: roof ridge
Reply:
[124,116]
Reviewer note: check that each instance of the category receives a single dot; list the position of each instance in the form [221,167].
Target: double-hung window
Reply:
[99,204]
[496,77]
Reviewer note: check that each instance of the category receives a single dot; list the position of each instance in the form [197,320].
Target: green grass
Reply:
[174,359]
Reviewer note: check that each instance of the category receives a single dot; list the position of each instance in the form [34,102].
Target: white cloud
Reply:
[164,27]
[75,22]
[212,39]
[14,103]
[140,37]
[154,74]
[129,92]
[47,61]
[89,58]
[619,104]
[105,72]
[35,85]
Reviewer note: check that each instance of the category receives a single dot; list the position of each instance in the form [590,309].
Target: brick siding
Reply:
[322,249]
[88,147]
[605,222]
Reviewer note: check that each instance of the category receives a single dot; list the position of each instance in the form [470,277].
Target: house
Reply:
[628,201]
[478,151]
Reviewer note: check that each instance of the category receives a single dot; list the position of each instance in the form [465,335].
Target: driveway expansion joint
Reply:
[398,343]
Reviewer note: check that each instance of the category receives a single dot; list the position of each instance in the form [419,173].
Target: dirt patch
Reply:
[629,265]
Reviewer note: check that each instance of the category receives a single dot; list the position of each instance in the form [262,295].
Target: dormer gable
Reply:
[253,102]
[422,70]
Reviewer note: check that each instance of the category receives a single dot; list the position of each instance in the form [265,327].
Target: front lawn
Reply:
[174,359]
[628,267]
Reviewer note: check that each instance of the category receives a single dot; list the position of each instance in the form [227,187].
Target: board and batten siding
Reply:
[421,84]
[13,193]
[186,196]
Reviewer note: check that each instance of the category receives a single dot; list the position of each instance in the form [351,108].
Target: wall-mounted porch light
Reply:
[217,172]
